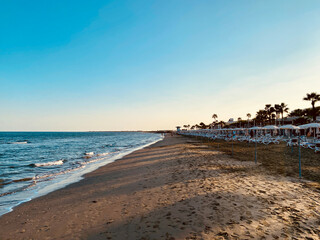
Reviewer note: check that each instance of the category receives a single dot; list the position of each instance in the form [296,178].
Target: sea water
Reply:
[35,163]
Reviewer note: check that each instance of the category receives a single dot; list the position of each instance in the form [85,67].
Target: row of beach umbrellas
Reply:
[292,127]
[273,127]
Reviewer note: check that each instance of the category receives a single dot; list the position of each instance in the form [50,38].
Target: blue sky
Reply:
[129,65]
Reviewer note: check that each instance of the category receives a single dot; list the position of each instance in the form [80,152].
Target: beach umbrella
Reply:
[290,127]
[310,125]
[255,128]
[271,127]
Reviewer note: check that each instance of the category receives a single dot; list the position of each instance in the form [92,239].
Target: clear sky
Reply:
[147,65]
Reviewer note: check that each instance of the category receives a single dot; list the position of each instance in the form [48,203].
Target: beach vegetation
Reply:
[269,115]
[269,109]
[313,98]
[281,109]
[297,113]
[187,126]
[248,116]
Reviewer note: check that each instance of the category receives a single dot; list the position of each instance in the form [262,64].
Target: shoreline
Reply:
[177,188]
[71,177]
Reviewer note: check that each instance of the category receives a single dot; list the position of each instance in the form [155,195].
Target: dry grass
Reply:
[276,158]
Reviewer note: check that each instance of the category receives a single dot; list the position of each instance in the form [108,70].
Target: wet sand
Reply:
[175,189]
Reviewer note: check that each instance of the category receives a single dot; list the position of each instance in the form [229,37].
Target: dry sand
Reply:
[175,189]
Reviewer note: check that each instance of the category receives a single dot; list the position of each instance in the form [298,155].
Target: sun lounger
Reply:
[292,142]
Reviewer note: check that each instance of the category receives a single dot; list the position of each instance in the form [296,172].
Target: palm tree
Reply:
[269,110]
[202,125]
[239,120]
[313,97]
[273,117]
[221,123]
[281,108]
[261,116]
[215,117]
[186,126]
[249,116]
[297,113]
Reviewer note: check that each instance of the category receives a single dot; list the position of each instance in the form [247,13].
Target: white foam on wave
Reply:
[59,162]
[103,154]
[24,142]
[92,161]
[46,176]
[88,154]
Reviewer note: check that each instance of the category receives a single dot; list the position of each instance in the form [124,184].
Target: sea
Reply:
[33,164]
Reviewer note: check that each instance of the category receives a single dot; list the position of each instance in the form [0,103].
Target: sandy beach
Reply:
[175,189]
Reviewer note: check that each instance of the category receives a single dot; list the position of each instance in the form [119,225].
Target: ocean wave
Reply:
[91,161]
[18,189]
[103,154]
[34,180]
[3,182]
[98,157]
[50,175]
[116,150]
[22,180]
[109,145]
[88,154]
[18,142]
[7,193]
[59,162]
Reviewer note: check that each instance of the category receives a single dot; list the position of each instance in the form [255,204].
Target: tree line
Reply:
[270,114]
